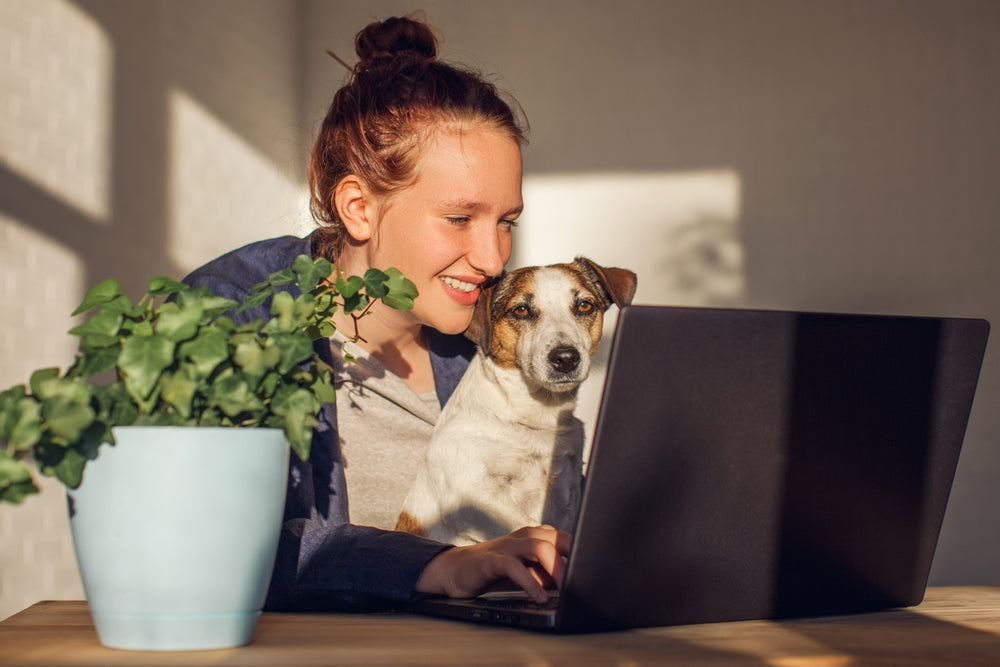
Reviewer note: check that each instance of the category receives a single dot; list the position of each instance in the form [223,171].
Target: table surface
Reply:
[953,626]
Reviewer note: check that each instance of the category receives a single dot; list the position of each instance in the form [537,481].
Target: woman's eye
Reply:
[508,224]
[458,219]
[583,307]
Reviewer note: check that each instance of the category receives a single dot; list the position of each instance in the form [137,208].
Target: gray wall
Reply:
[864,135]
[854,145]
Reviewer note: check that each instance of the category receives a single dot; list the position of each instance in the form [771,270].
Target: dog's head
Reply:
[547,320]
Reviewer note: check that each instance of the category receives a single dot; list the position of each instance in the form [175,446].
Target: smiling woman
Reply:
[417,166]
[449,231]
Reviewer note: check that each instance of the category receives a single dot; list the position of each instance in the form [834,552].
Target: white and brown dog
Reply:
[507,449]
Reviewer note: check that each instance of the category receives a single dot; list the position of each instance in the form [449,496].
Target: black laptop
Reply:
[753,464]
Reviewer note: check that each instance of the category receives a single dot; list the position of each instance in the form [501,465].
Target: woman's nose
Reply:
[490,250]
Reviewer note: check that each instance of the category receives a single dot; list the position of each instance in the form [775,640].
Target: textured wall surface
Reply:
[830,155]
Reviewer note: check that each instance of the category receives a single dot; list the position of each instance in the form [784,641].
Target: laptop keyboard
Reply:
[521,603]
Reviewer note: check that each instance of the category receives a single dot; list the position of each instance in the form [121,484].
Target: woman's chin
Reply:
[453,325]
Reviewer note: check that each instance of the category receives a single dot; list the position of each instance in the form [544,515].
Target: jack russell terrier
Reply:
[507,449]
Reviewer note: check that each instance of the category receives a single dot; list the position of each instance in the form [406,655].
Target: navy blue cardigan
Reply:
[325,562]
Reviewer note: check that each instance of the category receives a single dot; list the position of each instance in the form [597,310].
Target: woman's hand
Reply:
[532,558]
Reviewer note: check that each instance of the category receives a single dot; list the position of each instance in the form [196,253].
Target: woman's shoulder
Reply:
[233,274]
[252,263]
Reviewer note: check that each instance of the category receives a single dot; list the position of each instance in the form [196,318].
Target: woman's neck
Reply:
[400,346]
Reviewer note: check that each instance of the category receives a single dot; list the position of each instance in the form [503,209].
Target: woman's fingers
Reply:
[532,558]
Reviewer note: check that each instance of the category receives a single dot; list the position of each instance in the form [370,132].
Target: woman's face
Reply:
[450,231]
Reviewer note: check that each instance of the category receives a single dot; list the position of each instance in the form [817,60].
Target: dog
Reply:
[507,449]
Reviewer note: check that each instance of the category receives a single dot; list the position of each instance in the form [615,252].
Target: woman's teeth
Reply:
[460,285]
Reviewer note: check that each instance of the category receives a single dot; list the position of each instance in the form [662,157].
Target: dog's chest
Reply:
[523,475]
[532,470]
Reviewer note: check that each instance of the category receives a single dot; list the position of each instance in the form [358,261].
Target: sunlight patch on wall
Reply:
[56,117]
[39,287]
[677,231]
[222,192]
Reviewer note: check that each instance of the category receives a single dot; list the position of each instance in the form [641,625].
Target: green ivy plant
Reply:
[176,358]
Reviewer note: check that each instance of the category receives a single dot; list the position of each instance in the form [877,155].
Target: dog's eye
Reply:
[520,312]
[583,306]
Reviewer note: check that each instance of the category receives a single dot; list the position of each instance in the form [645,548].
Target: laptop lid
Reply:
[760,464]
[755,464]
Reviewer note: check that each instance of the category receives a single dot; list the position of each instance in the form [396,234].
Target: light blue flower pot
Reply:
[176,531]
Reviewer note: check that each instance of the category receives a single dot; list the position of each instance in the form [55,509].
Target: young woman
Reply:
[417,166]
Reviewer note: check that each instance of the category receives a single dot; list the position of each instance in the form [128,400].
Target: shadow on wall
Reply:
[122,155]
[136,139]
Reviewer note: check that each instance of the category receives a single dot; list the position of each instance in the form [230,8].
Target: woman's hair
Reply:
[395,97]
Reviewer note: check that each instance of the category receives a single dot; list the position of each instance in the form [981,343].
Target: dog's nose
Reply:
[564,359]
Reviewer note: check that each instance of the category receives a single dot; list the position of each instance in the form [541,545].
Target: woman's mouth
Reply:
[461,291]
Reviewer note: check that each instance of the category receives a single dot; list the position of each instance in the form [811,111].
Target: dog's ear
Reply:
[480,330]
[619,284]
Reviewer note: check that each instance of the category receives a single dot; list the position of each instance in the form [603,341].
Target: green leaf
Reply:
[105,323]
[255,299]
[215,306]
[283,277]
[295,349]
[9,411]
[250,327]
[15,480]
[349,287]
[402,292]
[141,328]
[66,418]
[141,361]
[121,305]
[309,272]
[69,469]
[233,396]
[266,387]
[375,286]
[212,304]
[42,380]
[93,360]
[254,360]
[179,324]
[283,311]
[25,424]
[299,408]
[164,286]
[325,329]
[178,391]
[116,406]
[102,292]
[206,351]
[47,384]
[148,404]
[322,387]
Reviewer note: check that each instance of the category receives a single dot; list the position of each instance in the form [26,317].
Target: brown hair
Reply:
[393,99]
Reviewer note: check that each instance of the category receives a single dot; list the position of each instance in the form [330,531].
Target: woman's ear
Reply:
[356,207]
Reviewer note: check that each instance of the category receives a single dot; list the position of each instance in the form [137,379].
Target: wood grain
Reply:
[954,626]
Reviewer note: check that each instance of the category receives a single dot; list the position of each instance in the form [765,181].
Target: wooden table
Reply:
[954,626]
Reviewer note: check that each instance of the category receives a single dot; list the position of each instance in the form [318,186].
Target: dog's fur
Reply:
[507,449]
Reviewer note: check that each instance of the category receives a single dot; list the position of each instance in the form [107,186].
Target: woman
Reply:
[417,166]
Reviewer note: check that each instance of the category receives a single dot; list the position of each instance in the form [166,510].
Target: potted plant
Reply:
[176,528]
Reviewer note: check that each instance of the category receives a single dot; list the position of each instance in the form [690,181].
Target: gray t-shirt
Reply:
[384,430]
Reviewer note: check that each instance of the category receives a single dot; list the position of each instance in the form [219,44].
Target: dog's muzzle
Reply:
[564,359]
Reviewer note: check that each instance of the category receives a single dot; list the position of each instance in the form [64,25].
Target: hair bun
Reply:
[395,38]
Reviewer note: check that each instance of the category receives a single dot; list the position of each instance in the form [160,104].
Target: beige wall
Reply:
[823,155]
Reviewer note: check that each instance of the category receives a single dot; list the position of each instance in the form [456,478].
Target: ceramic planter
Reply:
[176,530]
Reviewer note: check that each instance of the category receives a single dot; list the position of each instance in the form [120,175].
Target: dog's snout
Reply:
[564,359]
